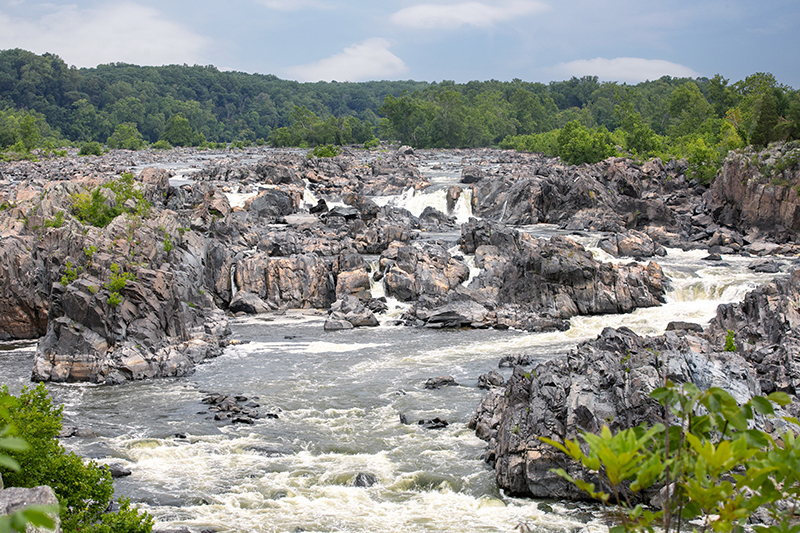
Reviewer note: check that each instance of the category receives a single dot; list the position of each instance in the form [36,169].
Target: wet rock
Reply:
[492,379]
[517,359]
[364,480]
[117,470]
[441,381]
[684,326]
[434,423]
[766,266]
[607,381]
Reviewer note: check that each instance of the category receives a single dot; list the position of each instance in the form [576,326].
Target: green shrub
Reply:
[114,299]
[578,144]
[720,469]
[84,490]
[730,344]
[94,209]
[70,273]
[372,143]
[161,144]
[327,150]
[56,222]
[118,279]
[91,148]
[126,136]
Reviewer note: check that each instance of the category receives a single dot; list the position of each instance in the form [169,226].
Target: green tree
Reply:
[578,144]
[126,137]
[29,133]
[688,109]
[765,119]
[179,131]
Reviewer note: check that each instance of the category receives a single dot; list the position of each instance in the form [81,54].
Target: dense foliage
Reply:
[84,490]
[44,102]
[718,469]
[89,104]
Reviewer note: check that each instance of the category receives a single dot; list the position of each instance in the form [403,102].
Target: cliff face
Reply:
[758,191]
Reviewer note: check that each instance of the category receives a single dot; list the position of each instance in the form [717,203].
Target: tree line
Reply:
[580,119]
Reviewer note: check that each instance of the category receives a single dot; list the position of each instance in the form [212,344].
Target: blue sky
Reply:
[426,40]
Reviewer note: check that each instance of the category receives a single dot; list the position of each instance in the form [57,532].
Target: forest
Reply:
[46,104]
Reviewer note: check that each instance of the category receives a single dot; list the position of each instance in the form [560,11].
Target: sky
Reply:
[424,40]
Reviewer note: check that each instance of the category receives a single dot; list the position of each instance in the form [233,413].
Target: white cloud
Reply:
[124,32]
[291,5]
[368,60]
[450,16]
[623,69]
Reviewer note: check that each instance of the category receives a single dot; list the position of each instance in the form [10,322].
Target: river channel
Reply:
[338,397]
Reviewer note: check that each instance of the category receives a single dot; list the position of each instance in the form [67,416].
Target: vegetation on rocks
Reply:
[706,459]
[97,210]
[84,490]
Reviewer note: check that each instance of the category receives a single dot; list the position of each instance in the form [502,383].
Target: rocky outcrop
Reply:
[756,192]
[607,381]
[529,283]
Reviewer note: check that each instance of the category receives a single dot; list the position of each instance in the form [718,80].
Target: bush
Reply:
[95,210]
[161,144]
[719,469]
[126,136]
[91,148]
[324,151]
[84,490]
[578,144]
[372,143]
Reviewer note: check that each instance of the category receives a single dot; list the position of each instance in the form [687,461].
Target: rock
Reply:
[492,379]
[632,244]
[607,381]
[765,266]
[16,499]
[685,326]
[441,381]
[247,302]
[117,470]
[516,359]
[405,150]
[364,480]
[471,174]
[435,423]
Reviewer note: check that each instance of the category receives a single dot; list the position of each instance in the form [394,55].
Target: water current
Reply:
[338,397]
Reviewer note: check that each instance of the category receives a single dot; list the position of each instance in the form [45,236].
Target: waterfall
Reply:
[416,202]
[234,289]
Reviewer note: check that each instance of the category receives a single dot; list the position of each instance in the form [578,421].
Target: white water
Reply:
[417,201]
[338,396]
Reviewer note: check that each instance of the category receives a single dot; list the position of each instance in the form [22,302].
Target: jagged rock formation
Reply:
[524,282]
[250,235]
[608,381]
[756,192]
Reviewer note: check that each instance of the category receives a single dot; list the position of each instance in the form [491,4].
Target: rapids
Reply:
[338,397]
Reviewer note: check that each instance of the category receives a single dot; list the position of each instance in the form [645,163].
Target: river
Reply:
[338,397]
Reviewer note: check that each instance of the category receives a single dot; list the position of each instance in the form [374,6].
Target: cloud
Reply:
[292,5]
[451,16]
[368,60]
[123,32]
[623,69]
